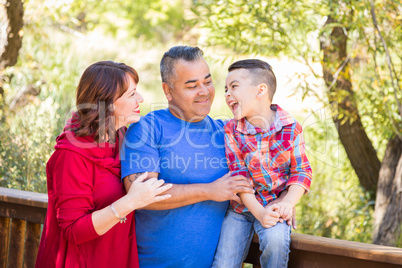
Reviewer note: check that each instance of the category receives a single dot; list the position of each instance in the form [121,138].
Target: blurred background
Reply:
[337,63]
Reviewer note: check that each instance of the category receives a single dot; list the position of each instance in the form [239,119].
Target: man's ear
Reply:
[167,91]
[262,90]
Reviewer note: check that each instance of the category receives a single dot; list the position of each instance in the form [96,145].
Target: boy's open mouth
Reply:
[233,105]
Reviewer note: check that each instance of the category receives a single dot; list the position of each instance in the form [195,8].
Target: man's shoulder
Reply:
[157,115]
[147,126]
[217,122]
[151,119]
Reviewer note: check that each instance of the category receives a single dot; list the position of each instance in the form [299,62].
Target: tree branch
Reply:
[378,77]
[389,61]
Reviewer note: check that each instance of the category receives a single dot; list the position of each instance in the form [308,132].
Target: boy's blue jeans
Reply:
[235,239]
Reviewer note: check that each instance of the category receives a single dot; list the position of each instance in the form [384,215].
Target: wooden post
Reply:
[16,256]
[4,240]
[31,244]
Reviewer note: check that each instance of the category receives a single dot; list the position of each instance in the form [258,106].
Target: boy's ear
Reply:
[262,90]
[167,91]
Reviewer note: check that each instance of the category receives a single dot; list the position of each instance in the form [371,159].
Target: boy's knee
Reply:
[275,244]
[276,238]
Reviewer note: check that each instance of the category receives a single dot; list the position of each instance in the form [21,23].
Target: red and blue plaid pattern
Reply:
[272,159]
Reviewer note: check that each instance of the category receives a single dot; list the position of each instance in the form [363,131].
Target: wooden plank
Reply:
[306,250]
[31,244]
[312,251]
[22,212]
[309,259]
[4,240]
[350,249]
[23,197]
[16,255]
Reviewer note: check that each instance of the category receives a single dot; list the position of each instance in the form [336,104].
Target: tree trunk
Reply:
[11,38]
[346,117]
[11,22]
[388,206]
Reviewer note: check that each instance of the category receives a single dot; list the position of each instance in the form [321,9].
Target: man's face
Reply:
[193,92]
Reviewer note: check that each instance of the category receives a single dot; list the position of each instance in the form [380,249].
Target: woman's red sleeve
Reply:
[73,192]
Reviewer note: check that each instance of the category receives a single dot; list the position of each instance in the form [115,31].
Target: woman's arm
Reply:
[140,194]
[72,189]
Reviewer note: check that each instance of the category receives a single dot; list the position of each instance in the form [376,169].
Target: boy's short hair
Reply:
[261,73]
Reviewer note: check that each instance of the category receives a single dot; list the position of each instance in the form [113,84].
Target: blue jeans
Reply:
[235,239]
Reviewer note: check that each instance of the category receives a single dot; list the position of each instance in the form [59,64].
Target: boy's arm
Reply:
[300,169]
[289,201]
[268,217]
[300,177]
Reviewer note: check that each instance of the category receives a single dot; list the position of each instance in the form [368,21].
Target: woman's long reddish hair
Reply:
[100,84]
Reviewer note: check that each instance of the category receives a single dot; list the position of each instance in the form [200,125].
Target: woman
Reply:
[89,221]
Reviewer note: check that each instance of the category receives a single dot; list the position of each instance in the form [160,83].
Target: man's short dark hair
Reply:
[260,71]
[174,54]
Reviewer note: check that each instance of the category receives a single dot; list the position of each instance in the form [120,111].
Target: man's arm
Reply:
[224,188]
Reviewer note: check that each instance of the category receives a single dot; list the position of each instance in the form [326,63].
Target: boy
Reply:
[265,144]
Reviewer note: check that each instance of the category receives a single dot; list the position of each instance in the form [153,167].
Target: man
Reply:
[183,146]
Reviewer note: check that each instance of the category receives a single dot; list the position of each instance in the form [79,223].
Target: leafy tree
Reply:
[357,44]
[155,20]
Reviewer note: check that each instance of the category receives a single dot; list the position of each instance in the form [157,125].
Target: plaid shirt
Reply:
[273,159]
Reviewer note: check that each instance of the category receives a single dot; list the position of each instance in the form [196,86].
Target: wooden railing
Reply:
[22,213]
[21,216]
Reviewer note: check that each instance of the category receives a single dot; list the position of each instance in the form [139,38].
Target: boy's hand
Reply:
[270,216]
[285,210]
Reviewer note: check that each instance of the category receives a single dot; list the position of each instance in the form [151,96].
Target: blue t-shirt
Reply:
[182,153]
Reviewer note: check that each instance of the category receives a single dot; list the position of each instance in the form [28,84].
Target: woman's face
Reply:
[126,108]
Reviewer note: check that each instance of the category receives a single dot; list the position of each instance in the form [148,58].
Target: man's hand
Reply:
[227,188]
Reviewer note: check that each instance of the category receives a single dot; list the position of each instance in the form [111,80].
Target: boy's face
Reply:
[241,94]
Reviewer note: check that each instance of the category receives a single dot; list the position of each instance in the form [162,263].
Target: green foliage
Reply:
[26,146]
[155,20]
[293,28]
[336,205]
[259,27]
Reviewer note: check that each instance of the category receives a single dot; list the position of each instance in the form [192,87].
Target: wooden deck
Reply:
[22,213]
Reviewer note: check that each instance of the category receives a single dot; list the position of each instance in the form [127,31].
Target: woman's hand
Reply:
[145,191]
[142,192]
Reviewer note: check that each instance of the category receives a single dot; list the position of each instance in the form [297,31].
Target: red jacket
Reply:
[83,177]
